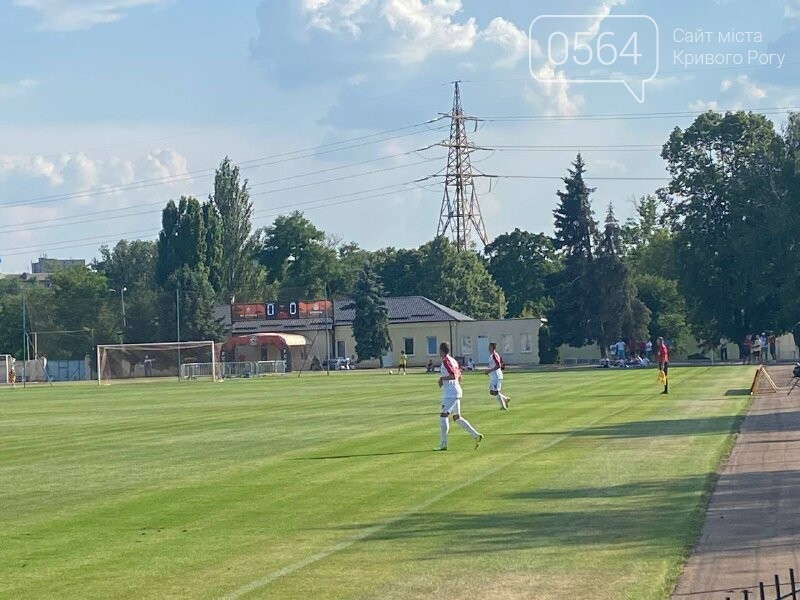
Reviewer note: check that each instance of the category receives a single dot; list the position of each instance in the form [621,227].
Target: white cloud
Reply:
[511,39]
[73,15]
[17,88]
[792,9]
[337,17]
[703,105]
[428,27]
[602,11]
[741,92]
[737,93]
[610,164]
[76,173]
[552,92]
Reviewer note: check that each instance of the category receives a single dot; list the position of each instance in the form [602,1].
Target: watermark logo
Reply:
[620,49]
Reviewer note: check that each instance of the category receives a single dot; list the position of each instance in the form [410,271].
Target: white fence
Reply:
[234,369]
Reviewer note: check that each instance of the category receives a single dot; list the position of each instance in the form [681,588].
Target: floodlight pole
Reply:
[327,341]
[24,343]
[178,326]
[122,298]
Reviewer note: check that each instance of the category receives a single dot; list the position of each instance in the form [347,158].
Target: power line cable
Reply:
[253,163]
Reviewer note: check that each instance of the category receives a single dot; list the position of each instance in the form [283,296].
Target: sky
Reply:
[110,108]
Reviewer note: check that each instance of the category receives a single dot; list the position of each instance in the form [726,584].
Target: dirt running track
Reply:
[753,520]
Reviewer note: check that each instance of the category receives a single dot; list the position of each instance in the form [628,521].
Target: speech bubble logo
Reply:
[622,49]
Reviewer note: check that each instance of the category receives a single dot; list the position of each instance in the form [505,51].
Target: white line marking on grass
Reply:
[309,560]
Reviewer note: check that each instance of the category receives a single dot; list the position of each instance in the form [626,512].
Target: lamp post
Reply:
[122,291]
[122,297]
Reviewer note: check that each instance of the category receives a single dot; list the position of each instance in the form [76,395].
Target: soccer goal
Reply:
[6,364]
[180,360]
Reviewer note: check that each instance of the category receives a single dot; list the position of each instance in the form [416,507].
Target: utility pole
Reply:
[178,326]
[460,214]
[24,343]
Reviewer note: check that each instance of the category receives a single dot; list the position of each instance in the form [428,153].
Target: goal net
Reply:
[180,360]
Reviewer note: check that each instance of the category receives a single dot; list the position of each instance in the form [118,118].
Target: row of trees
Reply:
[713,254]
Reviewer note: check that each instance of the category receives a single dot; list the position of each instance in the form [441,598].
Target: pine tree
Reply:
[619,312]
[371,323]
[573,318]
[575,227]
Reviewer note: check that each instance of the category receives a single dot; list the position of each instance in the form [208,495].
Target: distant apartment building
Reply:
[43,268]
[51,265]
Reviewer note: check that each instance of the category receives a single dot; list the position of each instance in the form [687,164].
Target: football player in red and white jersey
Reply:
[449,381]
[495,373]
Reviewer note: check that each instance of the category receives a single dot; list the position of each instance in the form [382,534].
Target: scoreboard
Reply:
[280,310]
[298,309]
[247,312]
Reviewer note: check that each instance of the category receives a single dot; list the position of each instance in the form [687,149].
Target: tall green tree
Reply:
[666,305]
[84,307]
[238,272]
[573,318]
[618,312]
[40,313]
[371,322]
[639,230]
[725,188]
[520,262]
[399,269]
[437,270]
[351,259]
[182,240]
[130,265]
[189,291]
[182,274]
[294,253]
[787,236]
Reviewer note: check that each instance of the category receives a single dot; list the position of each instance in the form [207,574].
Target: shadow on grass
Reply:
[660,516]
[657,517]
[738,392]
[666,427]
[338,456]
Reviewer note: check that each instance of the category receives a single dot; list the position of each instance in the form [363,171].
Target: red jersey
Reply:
[663,354]
[498,362]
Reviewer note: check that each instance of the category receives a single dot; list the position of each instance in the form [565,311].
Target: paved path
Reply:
[752,527]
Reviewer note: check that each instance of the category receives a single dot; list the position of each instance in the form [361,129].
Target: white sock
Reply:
[445,427]
[500,400]
[467,427]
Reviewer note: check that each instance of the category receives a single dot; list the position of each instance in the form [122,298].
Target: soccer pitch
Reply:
[592,485]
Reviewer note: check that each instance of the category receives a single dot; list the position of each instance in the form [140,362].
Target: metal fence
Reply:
[770,591]
[245,369]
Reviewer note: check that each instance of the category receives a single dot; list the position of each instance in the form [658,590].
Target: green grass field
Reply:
[591,486]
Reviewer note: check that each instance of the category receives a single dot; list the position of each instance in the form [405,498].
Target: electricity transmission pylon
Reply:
[460,215]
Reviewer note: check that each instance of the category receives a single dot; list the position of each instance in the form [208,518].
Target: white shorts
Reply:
[495,383]
[451,405]
[451,398]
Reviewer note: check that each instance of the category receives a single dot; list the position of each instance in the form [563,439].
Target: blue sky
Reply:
[151,94]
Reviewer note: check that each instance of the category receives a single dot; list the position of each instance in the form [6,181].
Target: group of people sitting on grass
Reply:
[634,360]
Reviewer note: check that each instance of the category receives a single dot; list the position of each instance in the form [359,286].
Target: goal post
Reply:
[117,362]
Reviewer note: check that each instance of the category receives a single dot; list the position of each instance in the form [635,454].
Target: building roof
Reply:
[404,309]
[284,340]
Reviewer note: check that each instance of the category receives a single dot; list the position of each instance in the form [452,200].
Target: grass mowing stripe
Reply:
[289,569]
[244,484]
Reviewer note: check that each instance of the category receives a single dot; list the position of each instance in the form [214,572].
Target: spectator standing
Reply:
[723,349]
[755,348]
